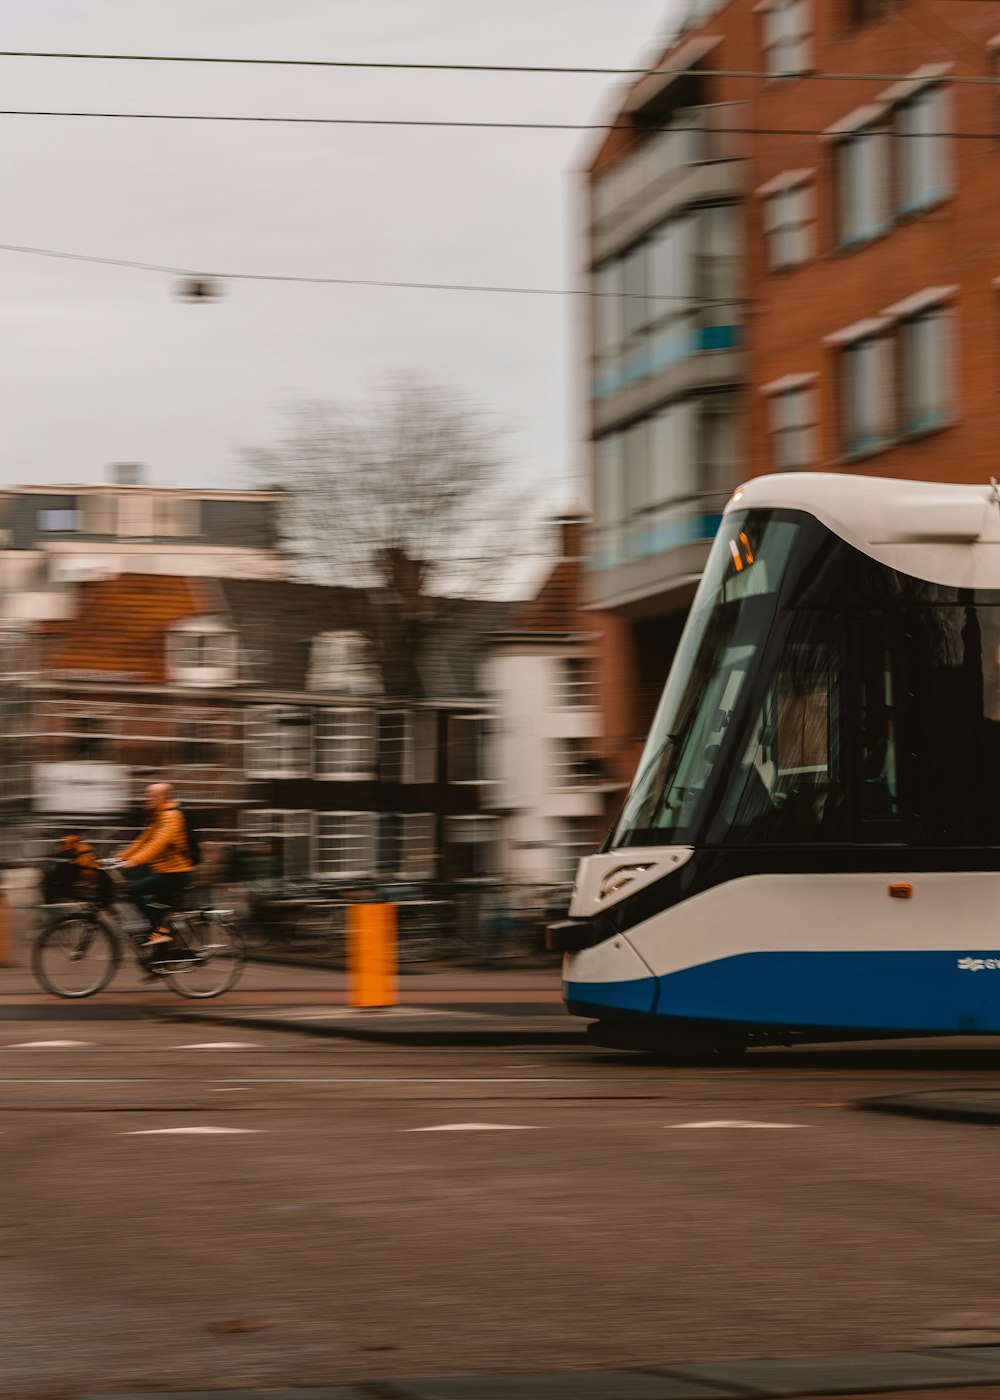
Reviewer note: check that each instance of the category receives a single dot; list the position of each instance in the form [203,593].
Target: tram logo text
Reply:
[979,964]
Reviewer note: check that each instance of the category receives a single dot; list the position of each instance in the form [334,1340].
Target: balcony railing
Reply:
[695,136]
[658,529]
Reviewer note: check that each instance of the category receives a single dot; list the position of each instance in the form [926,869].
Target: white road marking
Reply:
[162,1132]
[473,1128]
[48,1045]
[220,1045]
[231,1089]
[735,1123]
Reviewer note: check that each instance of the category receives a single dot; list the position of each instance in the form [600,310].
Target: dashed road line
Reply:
[202,1132]
[473,1128]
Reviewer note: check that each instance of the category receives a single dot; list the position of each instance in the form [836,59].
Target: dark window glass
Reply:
[789,786]
[879,789]
[719,650]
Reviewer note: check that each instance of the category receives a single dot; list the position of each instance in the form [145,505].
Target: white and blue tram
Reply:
[811,845]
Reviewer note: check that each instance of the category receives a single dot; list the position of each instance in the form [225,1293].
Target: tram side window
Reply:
[788,787]
[879,798]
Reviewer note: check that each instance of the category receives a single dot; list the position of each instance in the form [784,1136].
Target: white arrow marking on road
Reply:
[48,1044]
[159,1132]
[473,1128]
[220,1045]
[735,1123]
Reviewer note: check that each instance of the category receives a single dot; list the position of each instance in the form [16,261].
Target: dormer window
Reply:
[344,662]
[202,651]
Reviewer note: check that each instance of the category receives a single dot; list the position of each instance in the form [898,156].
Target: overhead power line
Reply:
[543,69]
[469,125]
[201,272]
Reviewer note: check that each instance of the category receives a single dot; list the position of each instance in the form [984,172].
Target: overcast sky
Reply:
[100,365]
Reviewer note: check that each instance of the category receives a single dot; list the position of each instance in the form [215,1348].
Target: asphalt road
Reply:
[333,1237]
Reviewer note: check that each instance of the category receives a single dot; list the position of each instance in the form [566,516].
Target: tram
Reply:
[810,848]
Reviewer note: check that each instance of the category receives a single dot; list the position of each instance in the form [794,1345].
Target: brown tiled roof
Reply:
[556,605]
[120,625]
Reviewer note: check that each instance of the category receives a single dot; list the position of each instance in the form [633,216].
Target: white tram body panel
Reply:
[812,840]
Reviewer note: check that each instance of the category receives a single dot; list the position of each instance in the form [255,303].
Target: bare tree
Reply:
[406,495]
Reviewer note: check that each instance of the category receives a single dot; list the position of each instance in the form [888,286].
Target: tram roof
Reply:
[938,531]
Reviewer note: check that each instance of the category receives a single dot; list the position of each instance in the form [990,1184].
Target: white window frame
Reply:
[418,846]
[923,159]
[789,225]
[793,420]
[575,692]
[268,724]
[863,184]
[354,746]
[343,660]
[471,830]
[787,37]
[566,761]
[364,838]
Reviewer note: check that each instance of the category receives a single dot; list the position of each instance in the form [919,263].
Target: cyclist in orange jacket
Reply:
[163,848]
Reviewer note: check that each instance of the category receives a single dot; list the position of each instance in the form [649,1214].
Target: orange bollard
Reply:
[371,955]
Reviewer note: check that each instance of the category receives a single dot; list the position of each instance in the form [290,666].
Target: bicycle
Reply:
[80,952]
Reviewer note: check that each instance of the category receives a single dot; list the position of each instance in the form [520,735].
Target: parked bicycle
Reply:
[81,951]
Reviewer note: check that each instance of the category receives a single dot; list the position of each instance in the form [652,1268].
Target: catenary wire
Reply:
[172,271]
[488,125]
[544,69]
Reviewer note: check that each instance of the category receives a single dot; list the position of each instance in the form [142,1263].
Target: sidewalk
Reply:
[915,1373]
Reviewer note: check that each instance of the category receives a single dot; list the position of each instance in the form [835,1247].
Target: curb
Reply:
[871,1373]
[962,1106]
[418,1032]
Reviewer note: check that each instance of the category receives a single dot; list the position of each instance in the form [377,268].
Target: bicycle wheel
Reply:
[210,963]
[75,957]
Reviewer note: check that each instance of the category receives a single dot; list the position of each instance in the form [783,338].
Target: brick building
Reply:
[262,702]
[803,273]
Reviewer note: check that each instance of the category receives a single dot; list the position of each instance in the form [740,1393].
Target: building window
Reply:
[203,651]
[288,834]
[345,744]
[572,765]
[897,382]
[575,683]
[863,185]
[279,742]
[787,38]
[344,661]
[922,151]
[408,845]
[345,844]
[407,746]
[472,847]
[792,427]
[576,840]
[671,296]
[176,517]
[465,748]
[59,522]
[663,481]
[867,394]
[788,222]
[864,11]
[92,742]
[925,347]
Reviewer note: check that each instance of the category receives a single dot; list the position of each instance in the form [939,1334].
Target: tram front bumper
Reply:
[571,936]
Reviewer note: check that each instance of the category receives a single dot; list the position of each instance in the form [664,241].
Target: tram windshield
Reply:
[728,625]
[819,696]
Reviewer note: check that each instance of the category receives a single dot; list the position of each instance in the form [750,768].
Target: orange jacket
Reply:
[163,845]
